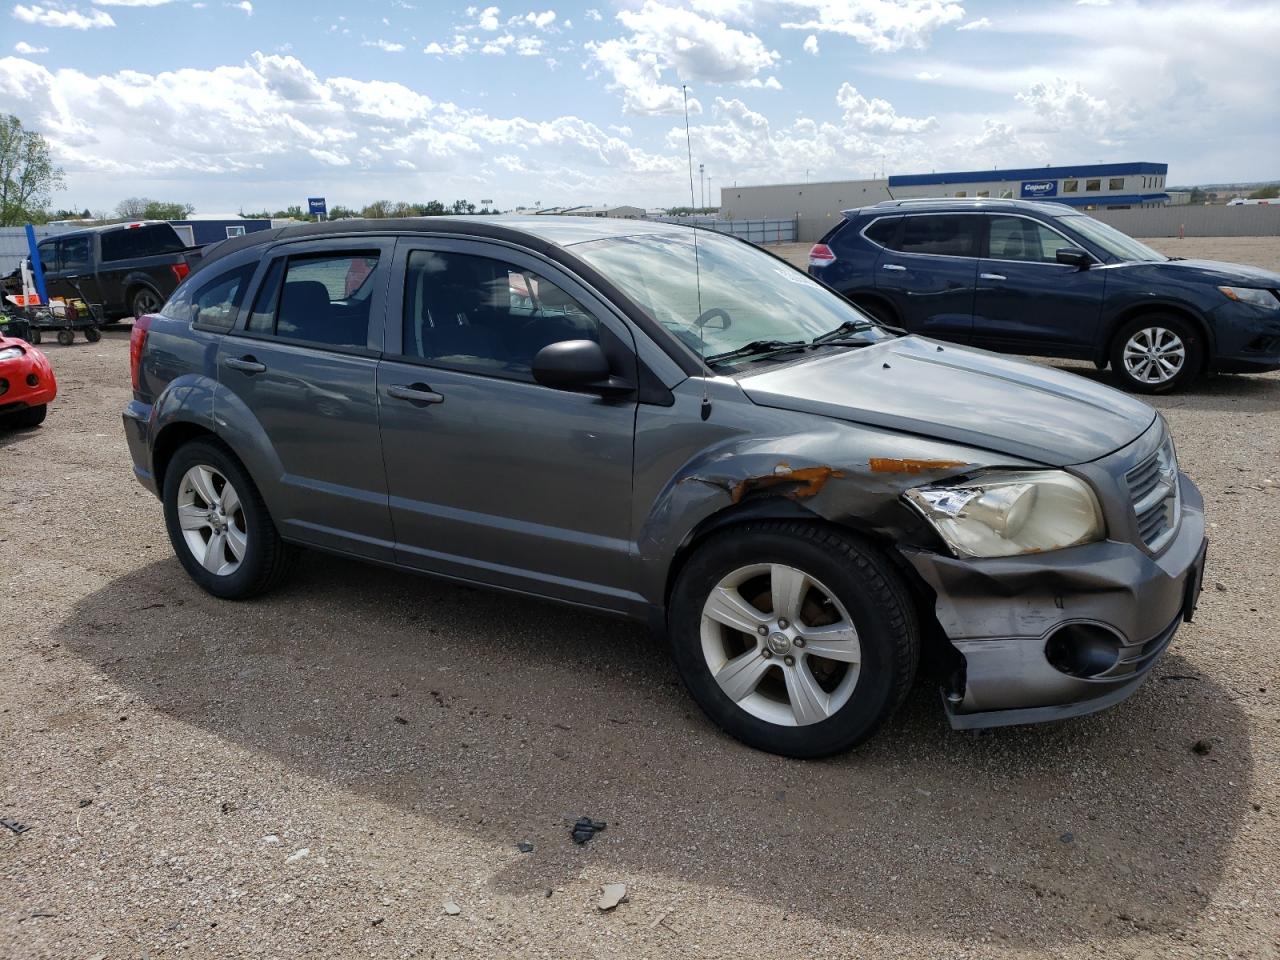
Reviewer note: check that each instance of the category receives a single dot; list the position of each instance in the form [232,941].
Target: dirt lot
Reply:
[316,773]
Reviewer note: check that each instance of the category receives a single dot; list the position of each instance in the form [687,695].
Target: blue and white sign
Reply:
[316,207]
[1032,189]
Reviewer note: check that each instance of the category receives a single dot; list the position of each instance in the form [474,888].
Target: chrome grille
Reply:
[1153,488]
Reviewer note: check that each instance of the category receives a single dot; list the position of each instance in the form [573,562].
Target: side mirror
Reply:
[1074,257]
[576,365]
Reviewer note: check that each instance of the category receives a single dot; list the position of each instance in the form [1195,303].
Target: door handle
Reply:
[893,266]
[991,276]
[414,393]
[245,364]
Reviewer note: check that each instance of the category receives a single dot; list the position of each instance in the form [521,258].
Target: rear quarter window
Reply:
[884,232]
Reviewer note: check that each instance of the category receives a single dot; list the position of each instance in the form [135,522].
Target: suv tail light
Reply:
[137,343]
[180,271]
[820,255]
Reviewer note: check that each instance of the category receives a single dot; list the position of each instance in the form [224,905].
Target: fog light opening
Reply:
[32,380]
[1082,650]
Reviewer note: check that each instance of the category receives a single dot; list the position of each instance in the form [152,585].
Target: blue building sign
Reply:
[316,206]
[1035,189]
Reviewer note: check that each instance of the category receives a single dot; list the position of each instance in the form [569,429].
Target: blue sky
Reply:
[232,104]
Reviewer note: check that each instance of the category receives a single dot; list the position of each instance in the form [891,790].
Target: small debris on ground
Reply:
[1222,587]
[585,829]
[1201,747]
[85,803]
[524,847]
[451,908]
[1067,837]
[18,827]
[612,894]
[300,854]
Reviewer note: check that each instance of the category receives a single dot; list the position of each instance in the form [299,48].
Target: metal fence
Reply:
[1198,221]
[13,245]
[757,231]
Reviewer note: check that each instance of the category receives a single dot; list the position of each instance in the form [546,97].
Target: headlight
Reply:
[1252,295]
[1004,514]
[11,353]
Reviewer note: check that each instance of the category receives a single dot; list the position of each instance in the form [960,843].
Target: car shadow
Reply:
[509,717]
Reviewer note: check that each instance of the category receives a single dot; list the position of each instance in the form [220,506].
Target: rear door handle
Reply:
[991,276]
[245,364]
[415,393]
[893,266]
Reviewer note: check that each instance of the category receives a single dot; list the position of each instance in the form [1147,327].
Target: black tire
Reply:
[93,334]
[35,338]
[267,560]
[27,417]
[144,300]
[66,337]
[1192,361]
[877,602]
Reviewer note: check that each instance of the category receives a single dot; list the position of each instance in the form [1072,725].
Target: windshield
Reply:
[747,295]
[1119,245]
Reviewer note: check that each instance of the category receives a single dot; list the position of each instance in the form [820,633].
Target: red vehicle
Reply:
[27,384]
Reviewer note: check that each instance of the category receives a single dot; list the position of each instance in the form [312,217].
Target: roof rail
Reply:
[907,200]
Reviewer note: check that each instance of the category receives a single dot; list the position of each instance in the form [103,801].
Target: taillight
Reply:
[820,255]
[137,343]
[180,271]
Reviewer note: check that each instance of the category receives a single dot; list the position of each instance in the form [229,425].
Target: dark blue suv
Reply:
[1047,280]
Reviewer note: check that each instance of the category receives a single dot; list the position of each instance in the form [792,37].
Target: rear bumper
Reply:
[1001,615]
[137,434]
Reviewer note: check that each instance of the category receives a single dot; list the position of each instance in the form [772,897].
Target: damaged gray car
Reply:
[677,428]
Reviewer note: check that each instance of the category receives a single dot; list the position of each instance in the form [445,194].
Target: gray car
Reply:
[675,428]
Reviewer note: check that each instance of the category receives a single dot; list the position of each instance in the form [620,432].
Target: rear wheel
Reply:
[878,312]
[219,525]
[1157,354]
[795,638]
[144,301]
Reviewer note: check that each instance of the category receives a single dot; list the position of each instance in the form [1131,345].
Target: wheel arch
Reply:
[170,439]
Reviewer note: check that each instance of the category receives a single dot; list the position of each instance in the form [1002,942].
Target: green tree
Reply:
[27,174]
[463,206]
[1269,192]
[159,210]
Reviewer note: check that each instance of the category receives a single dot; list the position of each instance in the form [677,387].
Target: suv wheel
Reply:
[1156,354]
[795,638]
[219,525]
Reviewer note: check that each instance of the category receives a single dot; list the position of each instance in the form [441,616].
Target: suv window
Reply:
[73,253]
[485,315]
[884,232]
[1017,238]
[324,299]
[145,241]
[946,234]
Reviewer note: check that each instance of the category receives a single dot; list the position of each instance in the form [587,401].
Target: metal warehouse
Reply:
[1098,186]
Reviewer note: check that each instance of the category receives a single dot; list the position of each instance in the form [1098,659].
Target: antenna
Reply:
[697,268]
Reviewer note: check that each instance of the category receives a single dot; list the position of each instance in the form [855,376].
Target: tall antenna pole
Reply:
[697,269]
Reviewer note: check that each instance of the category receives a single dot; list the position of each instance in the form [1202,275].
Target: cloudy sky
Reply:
[232,104]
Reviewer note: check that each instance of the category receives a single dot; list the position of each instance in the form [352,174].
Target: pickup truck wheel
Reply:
[795,638]
[1156,354]
[145,300]
[219,525]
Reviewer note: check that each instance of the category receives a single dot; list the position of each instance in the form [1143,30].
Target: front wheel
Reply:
[796,638]
[219,525]
[27,417]
[1157,354]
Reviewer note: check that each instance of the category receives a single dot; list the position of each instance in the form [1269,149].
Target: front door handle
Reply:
[893,266]
[991,276]
[246,364]
[414,393]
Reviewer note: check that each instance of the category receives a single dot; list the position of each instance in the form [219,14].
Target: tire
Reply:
[844,582]
[264,559]
[93,334]
[144,300]
[35,338]
[66,337]
[27,417]
[1144,347]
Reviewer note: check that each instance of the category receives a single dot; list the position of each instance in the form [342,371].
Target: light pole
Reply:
[702,186]
[711,196]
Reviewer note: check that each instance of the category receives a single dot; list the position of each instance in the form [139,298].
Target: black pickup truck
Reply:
[129,268]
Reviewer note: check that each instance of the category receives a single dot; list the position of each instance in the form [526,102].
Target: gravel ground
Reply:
[317,772]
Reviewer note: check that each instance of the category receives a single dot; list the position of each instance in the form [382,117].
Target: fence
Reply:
[1198,221]
[13,245]
[757,231]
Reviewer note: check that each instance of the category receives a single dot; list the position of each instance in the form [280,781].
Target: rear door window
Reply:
[943,234]
[217,303]
[323,299]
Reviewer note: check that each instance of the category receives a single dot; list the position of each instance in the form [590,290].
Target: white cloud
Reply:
[246,6]
[1065,103]
[498,45]
[882,25]
[769,83]
[1093,3]
[540,20]
[876,115]
[811,44]
[72,18]
[926,76]
[982,23]
[131,3]
[594,14]
[529,46]
[489,18]
[385,45]
[25,48]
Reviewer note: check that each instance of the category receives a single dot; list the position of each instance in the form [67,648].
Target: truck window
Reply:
[149,240]
[48,251]
[73,254]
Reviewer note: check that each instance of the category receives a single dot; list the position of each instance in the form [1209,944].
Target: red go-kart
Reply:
[27,384]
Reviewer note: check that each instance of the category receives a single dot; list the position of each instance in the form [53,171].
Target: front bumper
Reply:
[1246,339]
[1001,614]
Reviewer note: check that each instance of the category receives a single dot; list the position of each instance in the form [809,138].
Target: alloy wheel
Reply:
[780,644]
[1154,355]
[212,520]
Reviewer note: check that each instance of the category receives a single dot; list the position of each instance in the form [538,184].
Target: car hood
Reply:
[1211,271]
[955,393]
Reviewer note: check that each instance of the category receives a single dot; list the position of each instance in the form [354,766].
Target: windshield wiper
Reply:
[760,348]
[849,326]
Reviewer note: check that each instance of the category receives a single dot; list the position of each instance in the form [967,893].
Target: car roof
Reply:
[555,230]
[104,227]
[955,204]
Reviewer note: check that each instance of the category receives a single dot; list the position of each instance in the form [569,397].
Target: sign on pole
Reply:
[316,207]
